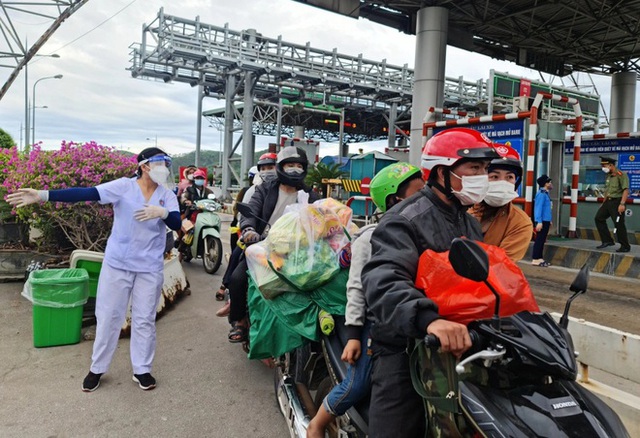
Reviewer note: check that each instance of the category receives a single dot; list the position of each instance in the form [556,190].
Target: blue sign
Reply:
[509,132]
[614,145]
[630,163]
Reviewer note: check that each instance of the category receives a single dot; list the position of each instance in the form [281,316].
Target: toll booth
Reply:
[310,147]
[363,168]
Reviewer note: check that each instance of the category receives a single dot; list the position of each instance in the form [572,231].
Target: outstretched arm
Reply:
[24,197]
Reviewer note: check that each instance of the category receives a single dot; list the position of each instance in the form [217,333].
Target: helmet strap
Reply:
[446,190]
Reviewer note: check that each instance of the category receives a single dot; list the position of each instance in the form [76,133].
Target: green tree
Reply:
[6,141]
[321,171]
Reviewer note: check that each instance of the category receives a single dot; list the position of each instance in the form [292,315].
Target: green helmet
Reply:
[387,181]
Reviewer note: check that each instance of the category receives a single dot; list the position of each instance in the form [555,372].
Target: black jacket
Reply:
[263,202]
[401,311]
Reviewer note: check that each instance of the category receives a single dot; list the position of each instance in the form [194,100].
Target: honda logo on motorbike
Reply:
[563,405]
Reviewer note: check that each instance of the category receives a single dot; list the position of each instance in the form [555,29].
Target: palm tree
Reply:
[321,171]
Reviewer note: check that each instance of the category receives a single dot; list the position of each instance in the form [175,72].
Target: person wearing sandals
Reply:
[388,187]
[503,224]
[268,202]
[542,220]
[266,171]
[133,266]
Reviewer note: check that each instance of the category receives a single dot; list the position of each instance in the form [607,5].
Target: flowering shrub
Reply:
[86,225]
[9,159]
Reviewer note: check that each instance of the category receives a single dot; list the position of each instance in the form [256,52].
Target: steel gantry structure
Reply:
[246,67]
[270,86]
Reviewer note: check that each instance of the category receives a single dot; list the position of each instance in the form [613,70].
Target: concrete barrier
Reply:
[616,353]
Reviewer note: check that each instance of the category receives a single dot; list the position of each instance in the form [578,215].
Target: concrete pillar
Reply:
[298,132]
[623,102]
[428,88]
[247,127]
[228,133]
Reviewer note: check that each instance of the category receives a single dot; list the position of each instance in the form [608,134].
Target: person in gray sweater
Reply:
[388,187]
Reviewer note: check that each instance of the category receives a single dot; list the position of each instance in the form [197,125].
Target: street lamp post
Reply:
[155,139]
[33,110]
[26,97]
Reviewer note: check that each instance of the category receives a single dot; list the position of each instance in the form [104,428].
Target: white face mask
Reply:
[268,175]
[190,177]
[159,174]
[606,169]
[294,171]
[500,193]
[474,189]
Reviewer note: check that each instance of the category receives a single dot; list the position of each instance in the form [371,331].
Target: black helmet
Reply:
[292,154]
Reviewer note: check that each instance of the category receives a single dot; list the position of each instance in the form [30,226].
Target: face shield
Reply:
[162,160]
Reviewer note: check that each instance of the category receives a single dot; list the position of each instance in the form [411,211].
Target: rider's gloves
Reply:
[151,212]
[249,236]
[23,197]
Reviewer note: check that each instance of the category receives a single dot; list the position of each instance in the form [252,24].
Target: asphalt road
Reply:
[609,301]
[206,386]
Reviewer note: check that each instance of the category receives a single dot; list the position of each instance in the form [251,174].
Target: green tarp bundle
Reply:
[282,324]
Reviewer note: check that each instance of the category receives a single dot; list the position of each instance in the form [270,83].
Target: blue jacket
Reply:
[542,207]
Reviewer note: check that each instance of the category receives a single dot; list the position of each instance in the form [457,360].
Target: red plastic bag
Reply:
[463,300]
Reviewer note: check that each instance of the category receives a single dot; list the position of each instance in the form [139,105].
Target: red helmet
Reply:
[199,174]
[449,146]
[267,159]
[509,160]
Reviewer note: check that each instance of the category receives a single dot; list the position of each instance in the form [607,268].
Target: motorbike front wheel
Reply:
[212,255]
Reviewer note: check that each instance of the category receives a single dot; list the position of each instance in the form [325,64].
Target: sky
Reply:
[98,100]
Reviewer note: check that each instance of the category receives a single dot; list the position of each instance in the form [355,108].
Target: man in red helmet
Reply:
[455,162]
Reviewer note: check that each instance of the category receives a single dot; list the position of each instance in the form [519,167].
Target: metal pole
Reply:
[393,117]
[26,106]
[228,132]
[341,137]
[33,108]
[199,124]
[247,126]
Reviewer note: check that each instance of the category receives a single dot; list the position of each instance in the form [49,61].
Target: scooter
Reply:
[519,379]
[202,239]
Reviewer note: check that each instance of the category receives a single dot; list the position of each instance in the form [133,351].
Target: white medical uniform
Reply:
[132,268]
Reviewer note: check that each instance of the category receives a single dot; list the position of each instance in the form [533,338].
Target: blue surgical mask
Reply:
[199,182]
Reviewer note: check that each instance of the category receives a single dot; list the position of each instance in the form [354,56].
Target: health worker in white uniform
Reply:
[133,261]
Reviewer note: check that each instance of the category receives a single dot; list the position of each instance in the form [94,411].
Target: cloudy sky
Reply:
[97,99]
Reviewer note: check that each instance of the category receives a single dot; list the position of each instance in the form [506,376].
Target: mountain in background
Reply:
[209,159]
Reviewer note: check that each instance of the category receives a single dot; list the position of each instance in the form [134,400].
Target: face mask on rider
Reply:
[268,175]
[500,193]
[474,188]
[190,177]
[159,174]
[294,171]
[199,182]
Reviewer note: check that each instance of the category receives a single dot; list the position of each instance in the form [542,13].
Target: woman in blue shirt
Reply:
[542,220]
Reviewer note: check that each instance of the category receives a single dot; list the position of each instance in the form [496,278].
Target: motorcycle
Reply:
[202,239]
[518,380]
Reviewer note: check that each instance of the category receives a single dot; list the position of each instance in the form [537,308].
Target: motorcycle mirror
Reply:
[211,196]
[578,287]
[468,259]
[244,209]
[581,281]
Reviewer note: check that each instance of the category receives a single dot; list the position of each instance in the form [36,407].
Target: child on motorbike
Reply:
[268,203]
[503,224]
[456,162]
[389,186]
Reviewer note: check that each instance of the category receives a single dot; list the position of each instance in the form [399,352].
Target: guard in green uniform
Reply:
[616,190]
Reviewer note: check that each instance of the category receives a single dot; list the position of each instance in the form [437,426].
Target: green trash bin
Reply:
[57,296]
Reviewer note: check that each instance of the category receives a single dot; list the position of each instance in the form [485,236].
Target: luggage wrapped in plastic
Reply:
[301,251]
[462,300]
[286,322]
